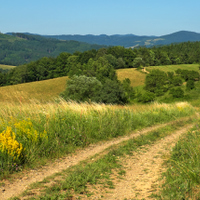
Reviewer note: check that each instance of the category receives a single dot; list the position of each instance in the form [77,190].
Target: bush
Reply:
[177,92]
[81,88]
[111,92]
[146,97]
[177,81]
[156,80]
[190,85]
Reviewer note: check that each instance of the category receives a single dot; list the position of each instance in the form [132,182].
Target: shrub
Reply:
[156,80]
[81,88]
[146,97]
[177,92]
[177,81]
[190,85]
[112,92]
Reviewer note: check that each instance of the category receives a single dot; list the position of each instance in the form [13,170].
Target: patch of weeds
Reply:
[122,172]
[45,181]
[146,170]
[110,184]
[2,184]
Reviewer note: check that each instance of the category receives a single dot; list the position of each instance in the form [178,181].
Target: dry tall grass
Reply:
[48,90]
[42,91]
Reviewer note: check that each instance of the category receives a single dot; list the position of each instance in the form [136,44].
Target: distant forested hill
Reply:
[98,62]
[19,48]
[131,40]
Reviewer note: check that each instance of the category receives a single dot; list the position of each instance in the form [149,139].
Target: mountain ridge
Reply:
[20,48]
[130,40]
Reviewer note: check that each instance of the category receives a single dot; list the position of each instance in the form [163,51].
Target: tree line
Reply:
[117,57]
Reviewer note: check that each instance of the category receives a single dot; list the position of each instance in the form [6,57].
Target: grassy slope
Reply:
[43,91]
[167,68]
[46,90]
[6,66]
[137,78]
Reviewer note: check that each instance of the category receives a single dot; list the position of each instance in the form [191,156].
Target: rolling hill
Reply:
[131,40]
[19,48]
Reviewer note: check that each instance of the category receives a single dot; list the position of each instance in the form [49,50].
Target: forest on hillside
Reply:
[98,61]
[19,48]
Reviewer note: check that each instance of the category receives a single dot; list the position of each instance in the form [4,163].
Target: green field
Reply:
[6,66]
[44,91]
[171,68]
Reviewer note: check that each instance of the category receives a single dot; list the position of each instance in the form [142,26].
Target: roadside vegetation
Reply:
[31,133]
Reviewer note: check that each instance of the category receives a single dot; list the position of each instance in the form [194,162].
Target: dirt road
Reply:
[142,169]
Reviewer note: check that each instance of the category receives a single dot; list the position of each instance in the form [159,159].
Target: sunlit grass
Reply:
[136,77]
[6,66]
[42,91]
[182,178]
[62,126]
[173,68]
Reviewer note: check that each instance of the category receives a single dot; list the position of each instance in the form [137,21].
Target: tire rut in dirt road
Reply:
[143,171]
[19,185]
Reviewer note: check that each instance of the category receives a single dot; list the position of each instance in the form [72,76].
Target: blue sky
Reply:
[140,17]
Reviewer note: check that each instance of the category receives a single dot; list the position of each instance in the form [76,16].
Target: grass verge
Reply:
[182,180]
[34,133]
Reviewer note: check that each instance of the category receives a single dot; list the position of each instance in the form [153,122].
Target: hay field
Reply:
[47,90]
[136,77]
[42,91]
[6,66]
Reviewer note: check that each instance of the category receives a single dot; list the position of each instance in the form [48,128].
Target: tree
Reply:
[138,62]
[81,88]
[146,97]
[129,91]
[177,92]
[101,69]
[190,85]
[112,92]
[177,81]
[156,80]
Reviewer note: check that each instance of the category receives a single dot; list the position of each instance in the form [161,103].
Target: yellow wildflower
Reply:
[9,145]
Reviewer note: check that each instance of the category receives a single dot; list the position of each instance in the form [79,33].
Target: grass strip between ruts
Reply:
[182,180]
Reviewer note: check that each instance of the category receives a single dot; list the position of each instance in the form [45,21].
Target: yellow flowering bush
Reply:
[9,145]
[20,142]
[25,130]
